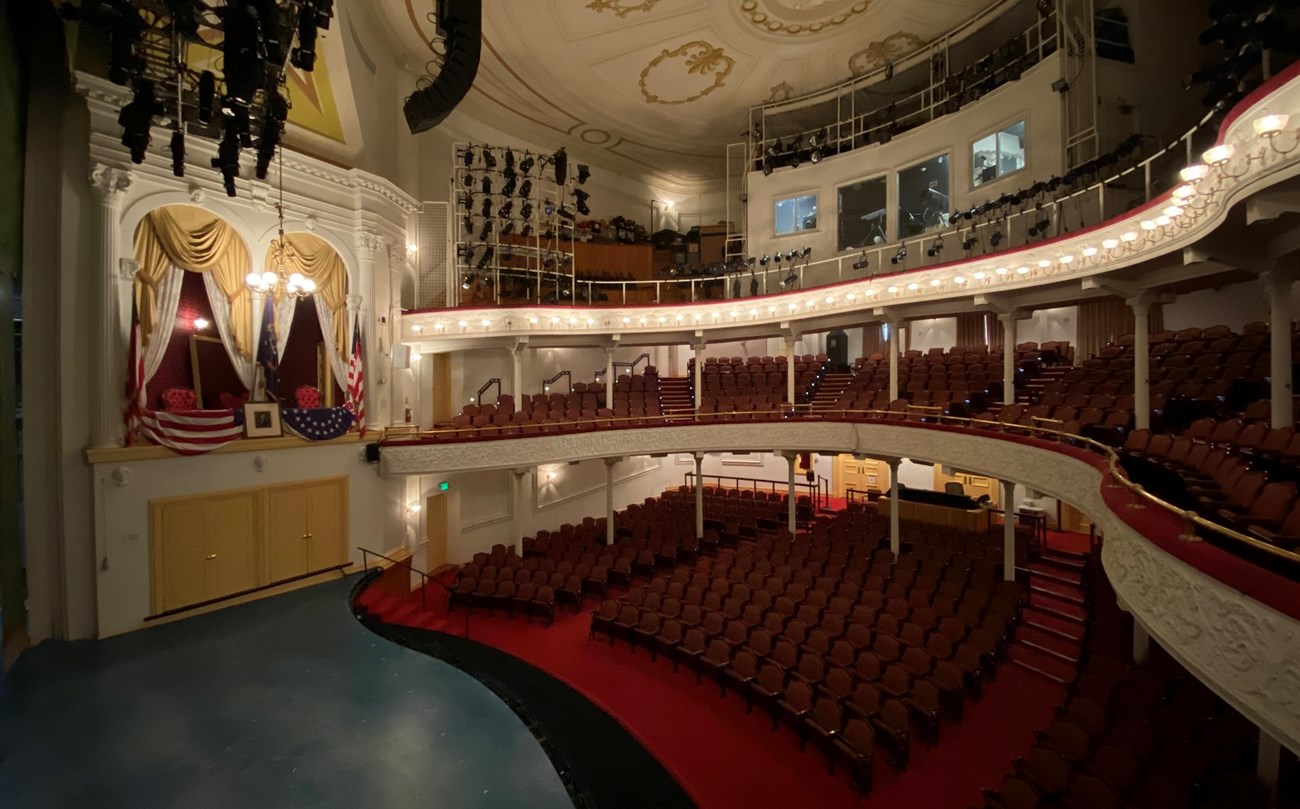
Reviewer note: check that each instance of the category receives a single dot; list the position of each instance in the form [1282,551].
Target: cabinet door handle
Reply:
[210,557]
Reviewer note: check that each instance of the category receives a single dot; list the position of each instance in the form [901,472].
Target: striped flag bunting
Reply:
[191,432]
[317,423]
[356,382]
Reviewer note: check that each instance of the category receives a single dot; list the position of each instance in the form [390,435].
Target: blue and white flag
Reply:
[318,423]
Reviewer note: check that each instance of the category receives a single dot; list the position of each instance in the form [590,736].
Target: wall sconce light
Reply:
[413,508]
[200,323]
[551,476]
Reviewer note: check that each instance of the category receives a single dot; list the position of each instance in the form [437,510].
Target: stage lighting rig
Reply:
[526,211]
[467,280]
[486,184]
[863,262]
[489,159]
[485,258]
[486,231]
[584,174]
[790,281]
[506,208]
[970,242]
[467,157]
[526,165]
[136,119]
[936,248]
[560,163]
[526,189]
[900,256]
[486,210]
[1040,226]
[582,197]
[508,190]
[227,160]
[178,152]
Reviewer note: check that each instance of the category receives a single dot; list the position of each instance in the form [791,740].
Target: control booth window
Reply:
[863,218]
[923,201]
[796,214]
[998,154]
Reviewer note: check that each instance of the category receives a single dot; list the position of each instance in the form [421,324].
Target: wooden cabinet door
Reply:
[327,524]
[286,540]
[180,555]
[233,528]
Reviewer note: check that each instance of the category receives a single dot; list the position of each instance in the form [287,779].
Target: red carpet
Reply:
[724,758]
[1069,541]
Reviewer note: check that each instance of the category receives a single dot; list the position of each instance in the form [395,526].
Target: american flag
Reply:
[267,357]
[188,433]
[356,393]
[318,424]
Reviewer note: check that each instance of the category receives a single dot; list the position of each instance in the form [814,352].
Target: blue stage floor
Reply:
[286,702]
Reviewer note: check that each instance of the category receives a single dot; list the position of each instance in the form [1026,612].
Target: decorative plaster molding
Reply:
[766,16]
[1247,652]
[368,243]
[894,46]
[110,182]
[621,8]
[696,58]
[127,268]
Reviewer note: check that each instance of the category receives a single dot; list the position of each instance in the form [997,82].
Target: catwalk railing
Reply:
[1196,528]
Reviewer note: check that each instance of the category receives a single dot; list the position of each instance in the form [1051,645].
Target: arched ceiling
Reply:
[662,86]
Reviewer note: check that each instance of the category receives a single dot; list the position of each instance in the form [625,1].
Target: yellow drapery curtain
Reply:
[198,241]
[316,259]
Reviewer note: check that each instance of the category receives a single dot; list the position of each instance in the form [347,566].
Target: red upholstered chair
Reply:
[307,397]
[179,399]
[233,401]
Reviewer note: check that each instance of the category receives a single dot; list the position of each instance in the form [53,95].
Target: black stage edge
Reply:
[602,765]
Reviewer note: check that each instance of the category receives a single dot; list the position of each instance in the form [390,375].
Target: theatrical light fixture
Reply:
[762,262]
[584,174]
[486,185]
[970,242]
[1040,227]
[506,208]
[486,231]
[526,211]
[900,256]
[863,262]
[560,163]
[467,280]
[467,156]
[1269,126]
[789,281]
[508,189]
[996,238]
[936,247]
[1110,244]
[136,119]
[486,210]
[485,258]
[178,153]
[200,323]
[526,165]
[1194,173]
[1219,155]
[526,188]
[489,159]
[581,198]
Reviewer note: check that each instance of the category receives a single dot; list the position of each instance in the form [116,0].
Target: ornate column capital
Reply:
[354,303]
[110,182]
[368,243]
[127,268]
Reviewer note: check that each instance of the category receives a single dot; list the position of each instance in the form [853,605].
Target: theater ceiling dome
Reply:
[661,86]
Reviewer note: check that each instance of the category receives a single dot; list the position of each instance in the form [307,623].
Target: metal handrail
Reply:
[425,578]
[546,383]
[630,366]
[812,488]
[1191,520]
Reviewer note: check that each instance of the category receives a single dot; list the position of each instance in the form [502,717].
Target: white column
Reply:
[789,370]
[895,507]
[1008,530]
[1269,764]
[1008,358]
[791,517]
[1278,286]
[520,490]
[517,373]
[609,377]
[697,350]
[1141,361]
[610,463]
[893,358]
[368,244]
[111,185]
[1141,643]
[699,495]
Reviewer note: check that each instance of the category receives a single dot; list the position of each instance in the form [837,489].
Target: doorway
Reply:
[858,474]
[435,532]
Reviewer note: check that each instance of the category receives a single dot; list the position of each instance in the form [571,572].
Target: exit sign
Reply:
[444,486]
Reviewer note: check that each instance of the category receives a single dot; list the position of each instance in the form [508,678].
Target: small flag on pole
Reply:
[356,392]
[267,356]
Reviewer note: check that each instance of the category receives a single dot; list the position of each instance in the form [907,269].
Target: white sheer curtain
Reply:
[337,363]
[284,311]
[245,367]
[168,299]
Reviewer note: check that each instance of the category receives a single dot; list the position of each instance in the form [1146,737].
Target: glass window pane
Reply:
[984,159]
[1011,149]
[863,217]
[923,197]
[795,214]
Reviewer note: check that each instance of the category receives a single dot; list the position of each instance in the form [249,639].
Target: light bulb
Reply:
[1173,211]
[269,279]
[1131,236]
[980,276]
[1218,155]
[200,323]
[485,323]
[935,282]
[1045,263]
[912,287]
[1270,125]
[1184,192]
[1163,221]
[1194,173]
[1089,251]
[462,323]
[1022,270]
[1110,244]
[253,279]
[296,279]
[957,279]
[1001,270]
[1148,224]
[416,328]
[1067,259]
[892,290]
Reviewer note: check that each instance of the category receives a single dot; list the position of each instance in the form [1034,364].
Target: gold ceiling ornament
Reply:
[621,8]
[779,92]
[889,49]
[699,58]
[779,17]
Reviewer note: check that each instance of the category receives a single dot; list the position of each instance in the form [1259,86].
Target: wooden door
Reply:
[435,531]
[286,541]
[233,535]
[180,553]
[860,474]
[443,411]
[327,521]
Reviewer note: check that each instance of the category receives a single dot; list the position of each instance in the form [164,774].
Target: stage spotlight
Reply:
[467,280]
[508,189]
[900,256]
[584,174]
[467,179]
[789,281]
[510,163]
[489,159]
[468,156]
[486,230]
[970,243]
[863,262]
[136,119]
[762,262]
[936,247]
[1041,226]
[526,211]
[468,224]
[527,231]
[526,188]
[996,238]
[227,160]
[507,229]
[565,213]
[207,95]
[486,210]
[303,57]
[178,153]
[549,208]
[485,258]
[487,184]
[790,256]
[505,209]
[582,197]
[526,165]
[778,258]
[767,167]
[805,252]
[560,162]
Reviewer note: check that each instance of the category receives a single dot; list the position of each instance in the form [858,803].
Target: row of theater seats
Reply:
[1148,736]
[636,401]
[737,384]
[830,634]
[948,380]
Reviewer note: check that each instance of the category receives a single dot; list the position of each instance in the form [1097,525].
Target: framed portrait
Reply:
[262,420]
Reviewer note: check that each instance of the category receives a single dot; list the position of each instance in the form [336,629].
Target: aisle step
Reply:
[1066,627]
[1051,605]
[1041,663]
[1048,643]
[1064,560]
[1065,592]
[1051,573]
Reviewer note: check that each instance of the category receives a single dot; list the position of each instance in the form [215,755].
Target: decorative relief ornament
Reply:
[794,19]
[696,63]
[779,92]
[889,49]
[622,8]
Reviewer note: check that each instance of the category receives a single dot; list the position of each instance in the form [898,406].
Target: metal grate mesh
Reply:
[1079,58]
[431,282]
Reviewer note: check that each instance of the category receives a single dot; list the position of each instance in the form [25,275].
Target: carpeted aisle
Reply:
[725,758]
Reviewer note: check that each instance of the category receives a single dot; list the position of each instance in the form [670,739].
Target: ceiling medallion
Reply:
[886,50]
[698,58]
[799,17]
[621,8]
